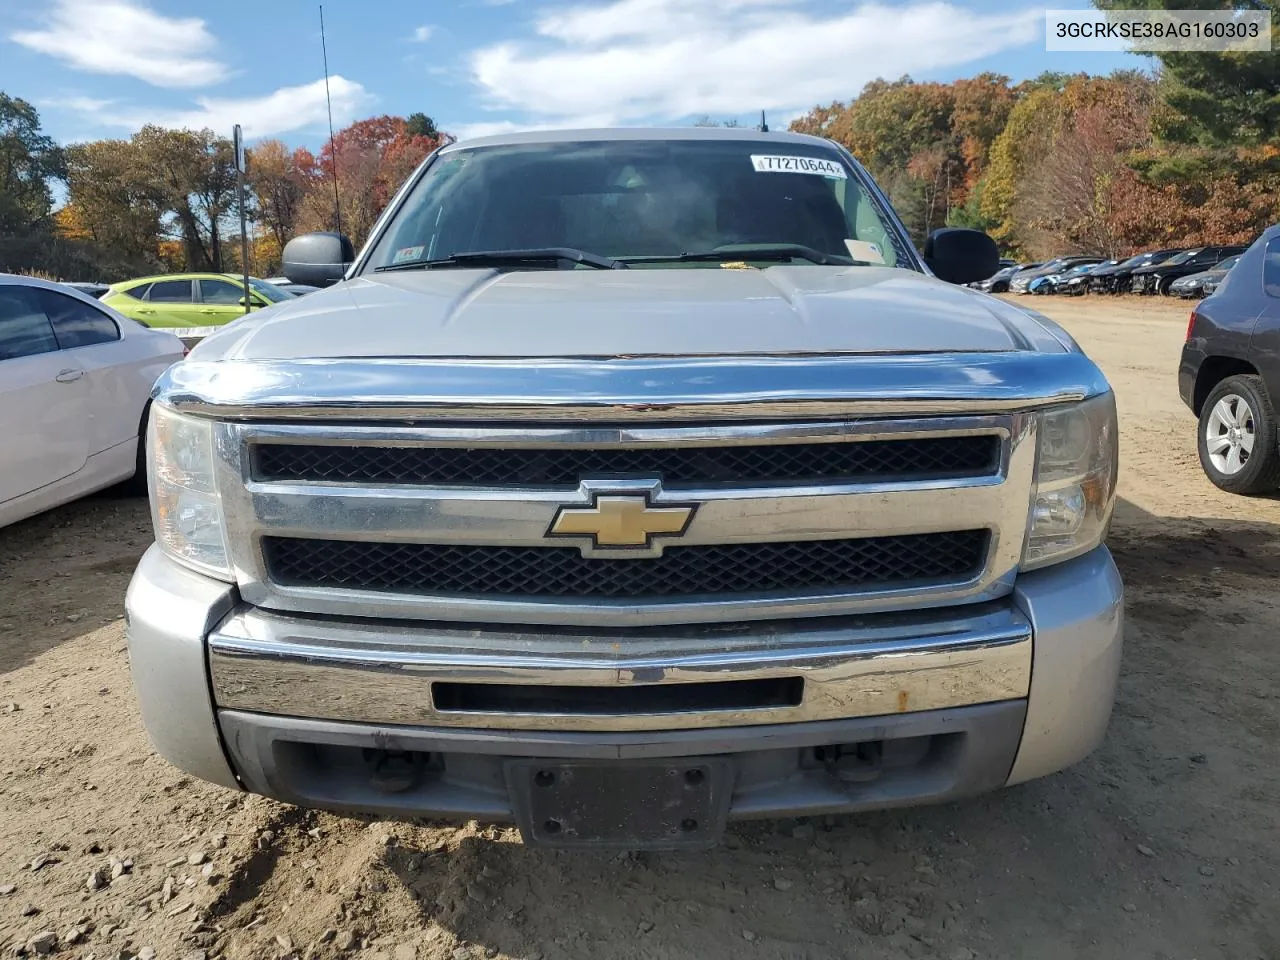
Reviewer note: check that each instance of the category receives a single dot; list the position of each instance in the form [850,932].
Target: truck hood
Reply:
[639,312]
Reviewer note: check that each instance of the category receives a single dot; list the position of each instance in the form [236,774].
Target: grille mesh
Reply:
[677,466]
[510,572]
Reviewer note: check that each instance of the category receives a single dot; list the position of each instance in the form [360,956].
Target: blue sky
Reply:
[100,68]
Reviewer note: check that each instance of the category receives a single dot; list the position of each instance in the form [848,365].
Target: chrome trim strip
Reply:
[627,389]
[376,672]
[514,516]
[521,518]
[624,437]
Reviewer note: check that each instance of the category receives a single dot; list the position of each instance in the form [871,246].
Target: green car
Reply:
[190,299]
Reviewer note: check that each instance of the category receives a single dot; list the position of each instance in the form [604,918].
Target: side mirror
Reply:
[317,259]
[960,255]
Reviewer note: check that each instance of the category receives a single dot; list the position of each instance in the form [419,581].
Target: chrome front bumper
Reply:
[246,697]
[385,673]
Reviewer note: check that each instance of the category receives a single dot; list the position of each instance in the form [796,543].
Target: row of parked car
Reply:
[77,363]
[1189,273]
[191,299]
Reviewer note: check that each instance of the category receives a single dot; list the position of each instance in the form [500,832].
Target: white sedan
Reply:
[75,381]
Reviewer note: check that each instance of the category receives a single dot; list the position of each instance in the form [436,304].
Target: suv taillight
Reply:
[1191,324]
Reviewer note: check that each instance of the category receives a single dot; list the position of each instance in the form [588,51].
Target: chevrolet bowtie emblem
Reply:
[621,521]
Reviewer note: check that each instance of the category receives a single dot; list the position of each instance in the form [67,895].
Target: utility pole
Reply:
[238,139]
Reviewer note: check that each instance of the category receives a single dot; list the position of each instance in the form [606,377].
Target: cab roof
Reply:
[749,134]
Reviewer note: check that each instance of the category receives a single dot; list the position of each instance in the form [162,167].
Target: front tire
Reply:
[136,486]
[1238,438]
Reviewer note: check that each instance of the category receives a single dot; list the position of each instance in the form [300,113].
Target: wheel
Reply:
[1238,441]
[136,486]
[1162,287]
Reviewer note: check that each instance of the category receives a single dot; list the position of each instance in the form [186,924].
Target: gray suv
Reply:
[624,484]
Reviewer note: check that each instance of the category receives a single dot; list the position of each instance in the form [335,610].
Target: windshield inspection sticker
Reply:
[865,251]
[821,168]
[405,254]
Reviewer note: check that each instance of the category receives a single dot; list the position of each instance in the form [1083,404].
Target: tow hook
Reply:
[395,771]
[853,762]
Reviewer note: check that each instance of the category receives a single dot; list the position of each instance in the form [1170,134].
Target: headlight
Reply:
[1075,487]
[185,507]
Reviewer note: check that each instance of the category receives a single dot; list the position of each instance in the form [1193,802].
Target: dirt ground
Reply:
[1164,844]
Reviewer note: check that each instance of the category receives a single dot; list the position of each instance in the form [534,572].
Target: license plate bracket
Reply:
[630,805]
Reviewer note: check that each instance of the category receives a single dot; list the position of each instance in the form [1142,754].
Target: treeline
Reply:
[1076,163]
[1059,164]
[165,199]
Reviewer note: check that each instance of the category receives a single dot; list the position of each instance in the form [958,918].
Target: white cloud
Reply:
[79,104]
[282,110]
[126,37]
[423,33]
[669,59]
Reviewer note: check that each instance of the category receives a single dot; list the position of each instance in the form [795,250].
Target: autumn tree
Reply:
[926,143]
[1069,198]
[982,105]
[29,160]
[819,120]
[114,204]
[371,159]
[193,171]
[1033,125]
[279,178]
[159,184]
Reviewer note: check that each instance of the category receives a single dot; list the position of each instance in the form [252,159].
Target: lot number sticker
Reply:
[864,250]
[813,165]
[405,254]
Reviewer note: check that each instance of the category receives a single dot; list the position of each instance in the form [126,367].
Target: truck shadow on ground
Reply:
[787,888]
[1150,549]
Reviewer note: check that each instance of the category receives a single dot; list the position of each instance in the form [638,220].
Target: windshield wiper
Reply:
[751,251]
[540,257]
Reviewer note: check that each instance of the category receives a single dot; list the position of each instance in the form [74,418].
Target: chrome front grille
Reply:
[714,569]
[678,467]
[453,523]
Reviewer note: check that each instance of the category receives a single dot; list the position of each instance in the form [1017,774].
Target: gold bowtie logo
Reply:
[621,521]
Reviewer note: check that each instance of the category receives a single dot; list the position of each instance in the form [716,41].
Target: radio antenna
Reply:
[333,153]
[764,127]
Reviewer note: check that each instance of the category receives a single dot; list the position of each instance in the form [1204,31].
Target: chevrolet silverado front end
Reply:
[621,548]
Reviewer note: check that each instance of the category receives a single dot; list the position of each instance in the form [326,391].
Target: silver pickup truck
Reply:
[627,483]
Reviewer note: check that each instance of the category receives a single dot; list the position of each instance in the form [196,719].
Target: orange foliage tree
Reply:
[371,158]
[1063,163]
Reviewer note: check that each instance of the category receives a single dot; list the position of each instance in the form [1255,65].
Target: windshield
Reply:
[1180,258]
[638,201]
[270,291]
[1227,264]
[1142,259]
